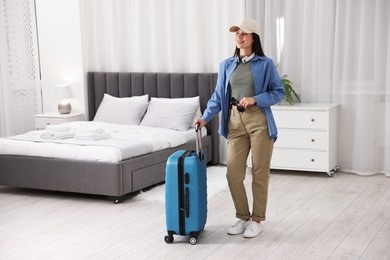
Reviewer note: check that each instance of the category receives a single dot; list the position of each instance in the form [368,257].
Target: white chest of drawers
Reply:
[307,137]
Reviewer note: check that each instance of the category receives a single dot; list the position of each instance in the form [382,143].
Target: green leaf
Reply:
[289,90]
[291,96]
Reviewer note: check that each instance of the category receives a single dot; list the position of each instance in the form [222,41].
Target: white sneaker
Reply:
[238,227]
[252,229]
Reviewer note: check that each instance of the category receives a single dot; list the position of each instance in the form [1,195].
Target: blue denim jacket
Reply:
[269,91]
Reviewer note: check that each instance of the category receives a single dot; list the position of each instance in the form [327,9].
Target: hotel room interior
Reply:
[70,67]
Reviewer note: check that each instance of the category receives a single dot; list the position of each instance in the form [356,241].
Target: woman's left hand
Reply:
[248,102]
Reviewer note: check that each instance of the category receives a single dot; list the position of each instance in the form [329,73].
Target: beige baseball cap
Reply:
[247,25]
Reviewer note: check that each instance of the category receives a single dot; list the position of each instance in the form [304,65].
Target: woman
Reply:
[248,84]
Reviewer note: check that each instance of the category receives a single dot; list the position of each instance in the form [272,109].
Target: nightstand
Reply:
[42,120]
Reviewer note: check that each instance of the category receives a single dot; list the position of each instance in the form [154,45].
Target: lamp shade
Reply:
[63,91]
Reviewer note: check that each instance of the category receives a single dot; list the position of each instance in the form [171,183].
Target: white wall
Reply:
[60,51]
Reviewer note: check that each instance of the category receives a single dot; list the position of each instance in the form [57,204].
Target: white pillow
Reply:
[192,100]
[126,110]
[176,114]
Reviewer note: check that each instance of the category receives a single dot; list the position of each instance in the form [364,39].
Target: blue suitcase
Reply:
[186,193]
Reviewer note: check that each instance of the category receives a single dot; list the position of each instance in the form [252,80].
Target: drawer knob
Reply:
[312,120]
[313,140]
[312,160]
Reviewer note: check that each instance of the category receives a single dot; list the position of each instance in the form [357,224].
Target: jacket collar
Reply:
[236,59]
[244,59]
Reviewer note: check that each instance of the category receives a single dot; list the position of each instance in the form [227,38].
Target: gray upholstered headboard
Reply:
[167,85]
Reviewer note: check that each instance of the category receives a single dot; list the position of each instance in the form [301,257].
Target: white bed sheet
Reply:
[125,142]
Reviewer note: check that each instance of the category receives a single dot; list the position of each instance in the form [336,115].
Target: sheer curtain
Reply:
[337,51]
[20,97]
[158,36]
[334,51]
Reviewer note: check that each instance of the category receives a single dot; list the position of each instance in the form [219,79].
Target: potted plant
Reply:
[291,96]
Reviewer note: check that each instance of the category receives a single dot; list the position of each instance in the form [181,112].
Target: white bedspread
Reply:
[124,142]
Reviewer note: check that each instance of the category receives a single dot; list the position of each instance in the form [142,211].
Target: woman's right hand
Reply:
[201,122]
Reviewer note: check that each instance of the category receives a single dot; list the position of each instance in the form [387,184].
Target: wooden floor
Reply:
[310,216]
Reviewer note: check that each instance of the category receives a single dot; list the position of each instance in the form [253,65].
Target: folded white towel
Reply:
[91,136]
[58,128]
[96,131]
[57,135]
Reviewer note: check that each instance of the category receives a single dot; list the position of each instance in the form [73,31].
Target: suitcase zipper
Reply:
[182,199]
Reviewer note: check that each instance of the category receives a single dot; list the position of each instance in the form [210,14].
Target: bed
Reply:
[116,179]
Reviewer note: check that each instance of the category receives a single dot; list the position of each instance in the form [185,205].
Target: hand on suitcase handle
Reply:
[199,123]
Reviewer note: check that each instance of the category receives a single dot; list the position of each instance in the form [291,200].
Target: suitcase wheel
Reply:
[193,240]
[169,239]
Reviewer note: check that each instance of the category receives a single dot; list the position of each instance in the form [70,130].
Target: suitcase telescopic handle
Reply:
[198,131]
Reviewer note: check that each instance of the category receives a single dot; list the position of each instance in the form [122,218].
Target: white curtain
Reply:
[159,35]
[337,51]
[333,50]
[20,91]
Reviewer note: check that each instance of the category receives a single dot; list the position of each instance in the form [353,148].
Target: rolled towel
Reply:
[58,128]
[57,135]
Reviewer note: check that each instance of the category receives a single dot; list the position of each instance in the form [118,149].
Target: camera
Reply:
[234,102]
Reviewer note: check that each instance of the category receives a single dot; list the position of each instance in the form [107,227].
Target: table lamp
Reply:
[64,93]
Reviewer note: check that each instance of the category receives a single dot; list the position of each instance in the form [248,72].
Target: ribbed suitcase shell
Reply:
[192,197]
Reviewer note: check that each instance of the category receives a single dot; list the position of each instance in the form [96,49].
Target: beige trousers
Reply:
[249,131]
